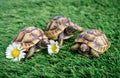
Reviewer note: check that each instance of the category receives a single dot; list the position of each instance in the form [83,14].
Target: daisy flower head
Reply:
[53,47]
[15,52]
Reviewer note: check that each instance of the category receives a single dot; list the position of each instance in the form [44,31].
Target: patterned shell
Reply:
[29,36]
[96,39]
[57,25]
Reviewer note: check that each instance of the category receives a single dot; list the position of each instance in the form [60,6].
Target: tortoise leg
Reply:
[79,29]
[60,39]
[30,52]
[94,53]
[75,47]
[67,37]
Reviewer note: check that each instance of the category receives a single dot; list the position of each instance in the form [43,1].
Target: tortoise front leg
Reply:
[75,46]
[30,52]
[60,39]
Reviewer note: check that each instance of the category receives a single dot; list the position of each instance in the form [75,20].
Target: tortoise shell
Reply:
[29,36]
[95,39]
[57,25]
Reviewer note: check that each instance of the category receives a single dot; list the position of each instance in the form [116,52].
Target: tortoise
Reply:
[32,39]
[60,28]
[92,42]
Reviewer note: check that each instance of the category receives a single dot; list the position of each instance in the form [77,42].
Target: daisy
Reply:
[15,52]
[53,47]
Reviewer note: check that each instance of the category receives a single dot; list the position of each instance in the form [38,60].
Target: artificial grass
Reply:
[100,14]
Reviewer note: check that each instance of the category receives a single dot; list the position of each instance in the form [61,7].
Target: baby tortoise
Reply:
[32,39]
[60,28]
[92,42]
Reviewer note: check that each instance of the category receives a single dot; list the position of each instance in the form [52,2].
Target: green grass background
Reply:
[100,14]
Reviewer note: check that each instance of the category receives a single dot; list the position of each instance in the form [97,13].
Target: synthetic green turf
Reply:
[100,14]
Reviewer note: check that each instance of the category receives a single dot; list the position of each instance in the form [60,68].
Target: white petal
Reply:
[50,51]
[22,55]
[57,50]
[19,46]
[15,59]
[57,46]
[19,58]
[16,45]
[56,43]
[49,46]
[8,56]
[8,50]
[10,47]
[52,42]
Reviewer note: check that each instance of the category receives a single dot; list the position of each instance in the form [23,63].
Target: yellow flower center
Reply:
[54,47]
[15,52]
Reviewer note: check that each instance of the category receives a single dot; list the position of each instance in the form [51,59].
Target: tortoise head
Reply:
[43,43]
[70,30]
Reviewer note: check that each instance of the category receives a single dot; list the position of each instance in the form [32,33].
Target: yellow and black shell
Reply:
[95,39]
[29,36]
[57,25]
